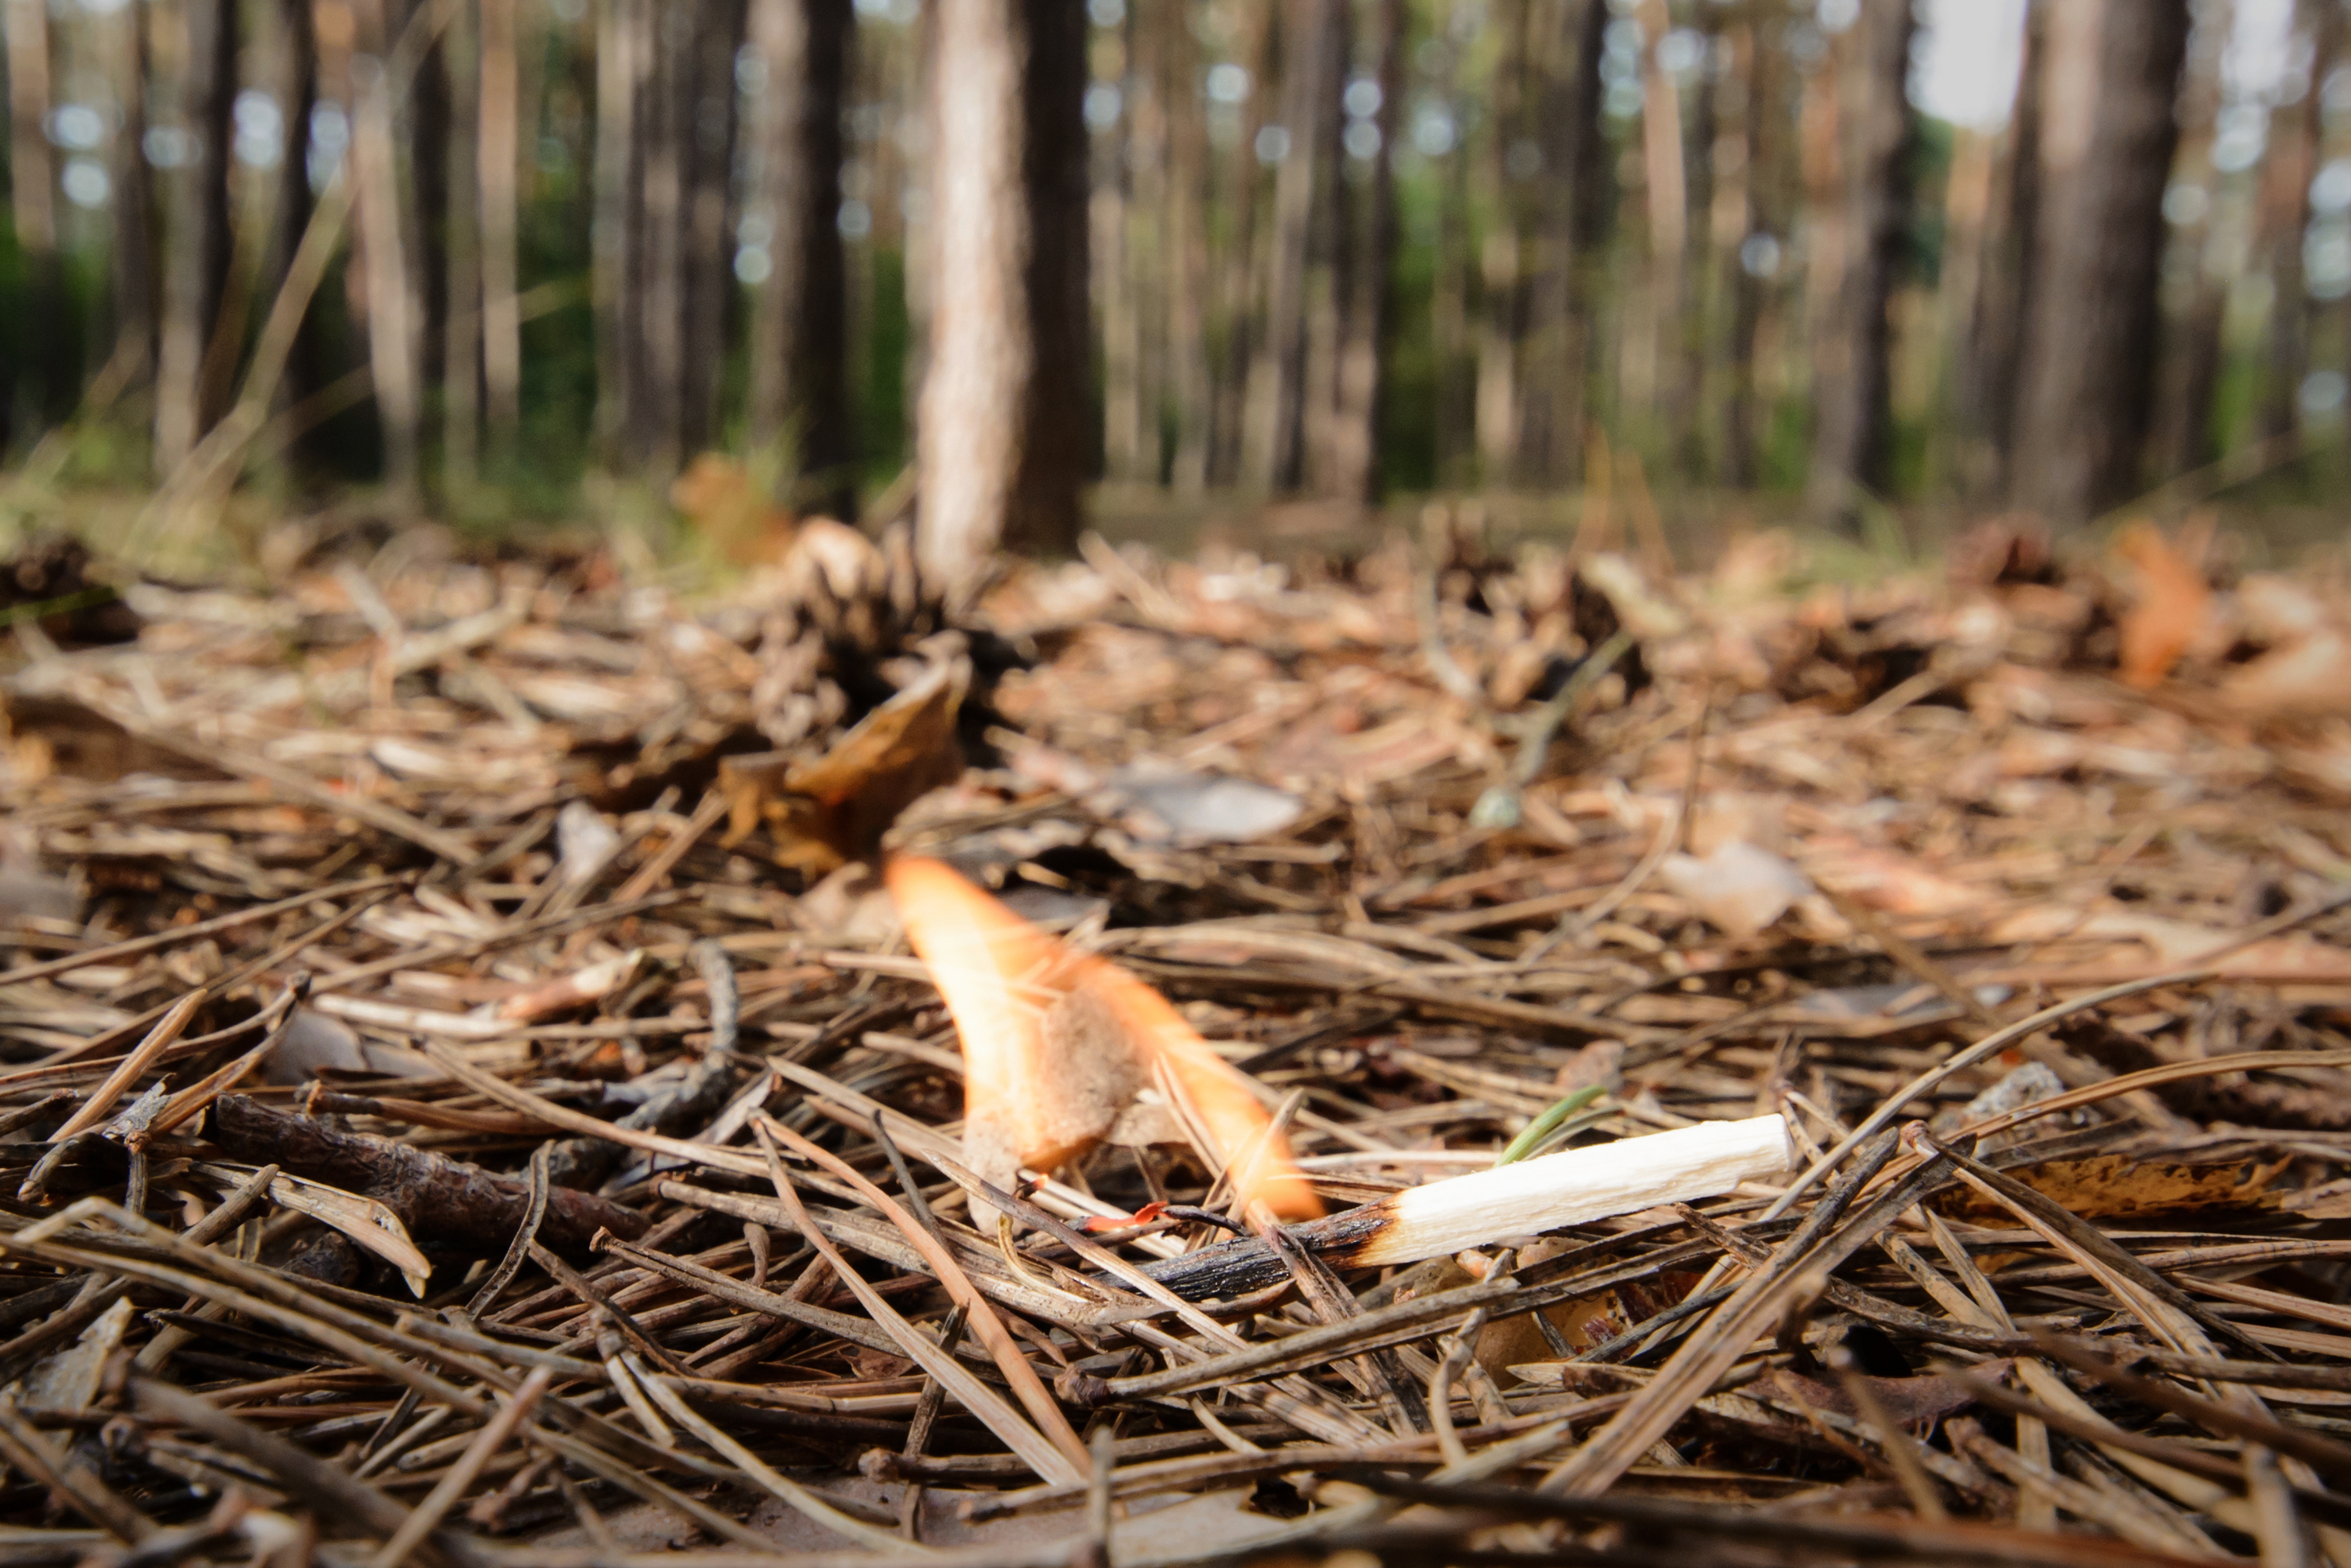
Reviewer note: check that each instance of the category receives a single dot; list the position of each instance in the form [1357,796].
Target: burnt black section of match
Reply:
[1236,1268]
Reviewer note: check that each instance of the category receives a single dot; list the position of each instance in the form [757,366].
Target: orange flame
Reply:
[1000,976]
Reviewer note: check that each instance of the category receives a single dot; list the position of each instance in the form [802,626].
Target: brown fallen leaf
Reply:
[880,1364]
[2108,1186]
[835,809]
[2170,611]
[1582,1323]
[1916,1403]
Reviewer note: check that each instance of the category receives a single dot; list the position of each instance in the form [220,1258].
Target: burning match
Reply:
[1058,1048]
[1523,1199]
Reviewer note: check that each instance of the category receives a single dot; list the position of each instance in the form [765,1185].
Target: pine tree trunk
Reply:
[1351,448]
[1327,260]
[2106,139]
[1967,210]
[1189,380]
[1665,168]
[2191,347]
[707,133]
[1238,282]
[298,92]
[1763,174]
[132,257]
[2297,137]
[1501,275]
[667,188]
[1143,147]
[392,327]
[1002,435]
[800,345]
[195,59]
[32,189]
[1687,392]
[2323,319]
[1990,405]
[1455,371]
[422,129]
[461,403]
[1851,374]
[624,47]
[1274,443]
[498,148]
[1115,207]
[917,253]
[1572,215]
[656,307]
[1048,491]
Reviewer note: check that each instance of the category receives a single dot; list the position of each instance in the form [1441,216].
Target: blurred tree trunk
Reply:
[1687,389]
[1328,257]
[2106,135]
[1501,272]
[1117,210]
[392,327]
[195,84]
[658,228]
[2190,369]
[1853,346]
[1274,444]
[910,160]
[1190,386]
[1048,500]
[1571,222]
[297,90]
[132,259]
[706,131]
[1455,370]
[32,191]
[1003,431]
[422,129]
[1966,213]
[800,343]
[498,148]
[2324,312]
[1764,172]
[1238,282]
[1664,169]
[1990,403]
[2297,137]
[624,50]
[667,105]
[1143,149]
[461,348]
[1349,456]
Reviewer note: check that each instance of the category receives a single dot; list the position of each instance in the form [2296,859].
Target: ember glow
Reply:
[1044,1094]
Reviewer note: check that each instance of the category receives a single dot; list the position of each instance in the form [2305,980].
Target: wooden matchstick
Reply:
[1522,1199]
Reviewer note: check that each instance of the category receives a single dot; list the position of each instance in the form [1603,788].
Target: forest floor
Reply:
[494,1054]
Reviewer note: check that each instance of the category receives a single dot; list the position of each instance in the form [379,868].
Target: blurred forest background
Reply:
[1829,256]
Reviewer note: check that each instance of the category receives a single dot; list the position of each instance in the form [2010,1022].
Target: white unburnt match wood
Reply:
[1573,1185]
[1523,1199]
